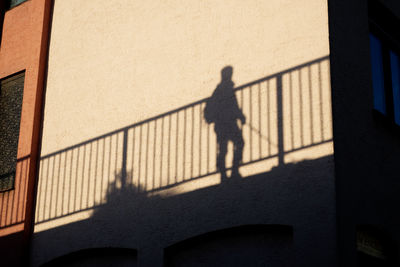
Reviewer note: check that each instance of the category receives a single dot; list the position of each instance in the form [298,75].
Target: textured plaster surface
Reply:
[118,63]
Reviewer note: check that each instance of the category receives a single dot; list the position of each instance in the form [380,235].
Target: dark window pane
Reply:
[377,74]
[394,65]
[11,92]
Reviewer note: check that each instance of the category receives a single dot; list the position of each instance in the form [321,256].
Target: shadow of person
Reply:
[223,110]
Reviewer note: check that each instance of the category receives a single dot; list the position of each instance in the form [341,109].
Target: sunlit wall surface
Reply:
[127,85]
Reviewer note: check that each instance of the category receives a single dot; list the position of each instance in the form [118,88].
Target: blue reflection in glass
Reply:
[394,65]
[13,3]
[377,74]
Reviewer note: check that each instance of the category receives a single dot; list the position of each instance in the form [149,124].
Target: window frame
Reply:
[382,23]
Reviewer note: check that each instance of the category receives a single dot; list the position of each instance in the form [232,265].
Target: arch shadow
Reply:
[245,245]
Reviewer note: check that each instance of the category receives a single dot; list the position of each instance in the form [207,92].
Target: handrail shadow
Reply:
[287,112]
[13,201]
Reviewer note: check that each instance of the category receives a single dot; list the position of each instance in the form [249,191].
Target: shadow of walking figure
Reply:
[223,110]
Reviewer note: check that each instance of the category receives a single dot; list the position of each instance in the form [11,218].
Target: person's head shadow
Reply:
[222,109]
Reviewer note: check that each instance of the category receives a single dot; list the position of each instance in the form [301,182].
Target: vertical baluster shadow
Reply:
[291,106]
[89,176]
[320,102]
[71,185]
[311,104]
[184,145]
[154,155]
[133,152]
[259,123]
[200,135]
[95,172]
[192,145]
[80,206]
[177,147]
[280,120]
[169,150]
[18,188]
[64,181]
[57,185]
[161,152]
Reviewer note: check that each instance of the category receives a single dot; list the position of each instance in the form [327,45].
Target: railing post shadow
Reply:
[124,158]
[279,118]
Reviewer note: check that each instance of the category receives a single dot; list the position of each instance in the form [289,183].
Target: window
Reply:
[3,8]
[11,92]
[14,3]
[384,40]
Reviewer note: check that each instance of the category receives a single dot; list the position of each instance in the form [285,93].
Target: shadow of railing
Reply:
[286,112]
[13,201]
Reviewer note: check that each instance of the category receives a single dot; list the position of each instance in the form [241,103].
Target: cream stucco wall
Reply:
[114,64]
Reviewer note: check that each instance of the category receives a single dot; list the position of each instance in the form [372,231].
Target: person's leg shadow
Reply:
[238,145]
[225,134]
[222,143]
